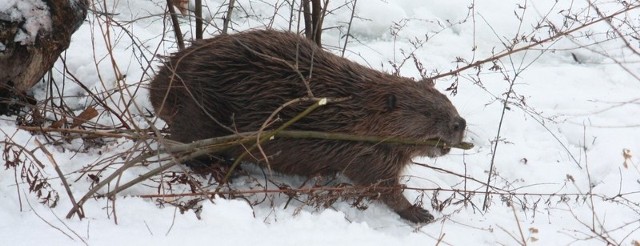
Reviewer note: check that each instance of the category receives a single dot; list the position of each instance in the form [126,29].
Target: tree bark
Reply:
[24,61]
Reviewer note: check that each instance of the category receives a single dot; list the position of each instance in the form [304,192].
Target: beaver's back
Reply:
[241,79]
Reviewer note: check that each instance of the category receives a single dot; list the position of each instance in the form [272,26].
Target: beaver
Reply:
[233,83]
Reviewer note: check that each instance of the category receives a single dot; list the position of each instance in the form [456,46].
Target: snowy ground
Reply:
[573,112]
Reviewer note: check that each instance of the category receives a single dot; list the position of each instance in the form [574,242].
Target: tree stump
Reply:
[33,33]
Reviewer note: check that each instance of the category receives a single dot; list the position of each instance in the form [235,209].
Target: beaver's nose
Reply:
[459,124]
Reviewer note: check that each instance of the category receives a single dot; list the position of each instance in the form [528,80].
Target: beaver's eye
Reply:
[391,102]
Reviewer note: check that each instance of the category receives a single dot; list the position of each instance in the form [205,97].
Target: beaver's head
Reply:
[414,110]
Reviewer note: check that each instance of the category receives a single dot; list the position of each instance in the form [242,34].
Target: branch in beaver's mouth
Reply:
[445,145]
[435,141]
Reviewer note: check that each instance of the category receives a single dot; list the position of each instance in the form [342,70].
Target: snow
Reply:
[34,13]
[563,137]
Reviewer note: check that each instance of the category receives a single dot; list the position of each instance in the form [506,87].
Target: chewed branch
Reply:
[235,139]
[213,145]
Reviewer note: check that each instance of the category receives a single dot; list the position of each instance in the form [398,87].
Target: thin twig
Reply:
[176,25]
[515,215]
[198,15]
[96,133]
[529,46]
[47,222]
[378,187]
[346,37]
[485,204]
[61,175]
[106,181]
[227,18]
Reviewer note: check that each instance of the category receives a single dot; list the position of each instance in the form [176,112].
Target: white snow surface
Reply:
[34,13]
[565,134]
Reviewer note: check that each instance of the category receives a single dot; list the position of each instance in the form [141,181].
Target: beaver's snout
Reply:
[457,127]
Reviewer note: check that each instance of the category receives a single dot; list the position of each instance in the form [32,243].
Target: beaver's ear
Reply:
[391,103]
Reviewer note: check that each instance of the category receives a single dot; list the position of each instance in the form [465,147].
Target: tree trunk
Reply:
[31,43]
[313,17]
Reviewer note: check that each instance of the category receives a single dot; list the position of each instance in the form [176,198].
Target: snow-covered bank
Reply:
[573,111]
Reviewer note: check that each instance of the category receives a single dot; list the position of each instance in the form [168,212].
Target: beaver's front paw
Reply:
[416,214]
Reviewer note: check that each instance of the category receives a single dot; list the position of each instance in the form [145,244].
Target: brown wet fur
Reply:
[234,82]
